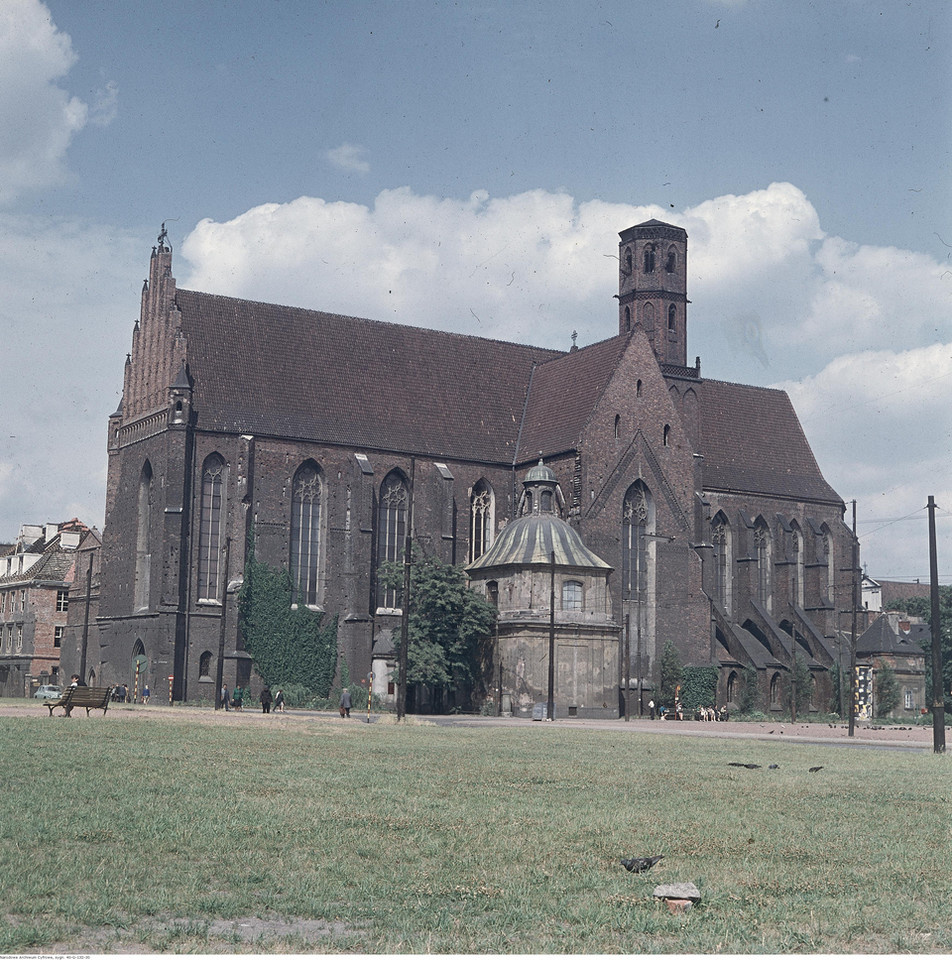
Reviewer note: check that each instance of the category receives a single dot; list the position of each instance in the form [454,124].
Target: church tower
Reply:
[652,287]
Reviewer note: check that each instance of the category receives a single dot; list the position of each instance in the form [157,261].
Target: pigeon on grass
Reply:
[640,864]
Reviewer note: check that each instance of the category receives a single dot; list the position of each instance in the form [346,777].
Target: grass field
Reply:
[162,833]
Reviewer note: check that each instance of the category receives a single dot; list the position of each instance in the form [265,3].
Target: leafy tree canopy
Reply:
[449,626]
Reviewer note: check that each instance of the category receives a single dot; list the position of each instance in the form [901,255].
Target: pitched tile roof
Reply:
[562,396]
[752,442]
[881,638]
[275,370]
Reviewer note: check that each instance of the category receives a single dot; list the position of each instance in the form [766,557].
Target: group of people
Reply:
[236,700]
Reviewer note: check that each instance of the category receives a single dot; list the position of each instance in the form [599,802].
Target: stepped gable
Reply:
[562,396]
[274,370]
[752,442]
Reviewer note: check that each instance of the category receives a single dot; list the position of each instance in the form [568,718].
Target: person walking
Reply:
[145,694]
[279,702]
[651,708]
[265,698]
[224,697]
[345,702]
[238,697]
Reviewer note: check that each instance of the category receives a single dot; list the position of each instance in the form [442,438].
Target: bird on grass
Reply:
[748,766]
[815,769]
[640,864]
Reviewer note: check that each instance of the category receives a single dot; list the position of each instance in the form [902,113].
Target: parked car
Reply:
[48,691]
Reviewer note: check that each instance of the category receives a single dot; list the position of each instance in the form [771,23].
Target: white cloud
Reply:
[349,156]
[69,297]
[38,118]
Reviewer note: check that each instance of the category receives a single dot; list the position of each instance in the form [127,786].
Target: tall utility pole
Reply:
[89,593]
[550,703]
[938,695]
[405,604]
[855,603]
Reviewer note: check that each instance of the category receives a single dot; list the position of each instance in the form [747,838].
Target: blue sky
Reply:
[468,166]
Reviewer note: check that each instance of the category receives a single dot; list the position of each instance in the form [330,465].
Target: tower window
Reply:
[628,262]
[672,317]
[649,258]
[210,529]
[671,263]
[627,319]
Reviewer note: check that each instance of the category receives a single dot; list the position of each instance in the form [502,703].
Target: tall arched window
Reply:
[649,258]
[480,520]
[205,665]
[627,319]
[830,564]
[392,529]
[721,540]
[796,575]
[144,538]
[628,264]
[671,263]
[647,316]
[762,552]
[212,520]
[305,534]
[672,317]
[636,518]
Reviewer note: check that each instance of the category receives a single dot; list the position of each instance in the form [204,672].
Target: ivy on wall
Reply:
[289,646]
[698,687]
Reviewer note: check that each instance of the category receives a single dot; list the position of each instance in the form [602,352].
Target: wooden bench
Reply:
[92,698]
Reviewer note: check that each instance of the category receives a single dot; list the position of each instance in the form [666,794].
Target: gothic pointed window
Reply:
[211,524]
[796,575]
[628,263]
[672,318]
[143,538]
[392,530]
[636,513]
[671,263]
[627,319]
[647,316]
[305,534]
[762,555]
[649,258]
[481,505]
[721,541]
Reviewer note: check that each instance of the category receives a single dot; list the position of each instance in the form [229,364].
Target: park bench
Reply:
[92,698]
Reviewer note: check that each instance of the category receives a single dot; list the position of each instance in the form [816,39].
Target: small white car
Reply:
[48,691]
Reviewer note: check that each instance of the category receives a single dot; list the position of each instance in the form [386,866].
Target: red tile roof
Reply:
[275,370]
[752,441]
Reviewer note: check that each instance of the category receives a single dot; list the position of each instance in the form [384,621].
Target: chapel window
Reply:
[572,595]
[720,539]
[392,529]
[480,520]
[143,537]
[636,514]
[762,554]
[210,527]
[305,534]
[205,666]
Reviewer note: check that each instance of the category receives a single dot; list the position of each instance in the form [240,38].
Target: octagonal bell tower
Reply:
[652,287]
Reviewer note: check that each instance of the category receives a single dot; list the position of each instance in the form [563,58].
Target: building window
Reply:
[636,514]
[62,600]
[775,691]
[666,434]
[647,317]
[23,600]
[732,687]
[19,637]
[671,263]
[628,261]
[796,577]
[480,520]
[627,319]
[572,595]
[205,666]
[492,592]
[649,258]
[209,534]
[617,425]
[143,538]
[721,541]
[672,317]
[907,700]
[305,534]
[762,553]
[392,529]
[3,603]
[58,636]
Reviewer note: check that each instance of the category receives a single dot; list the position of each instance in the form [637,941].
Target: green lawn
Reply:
[131,833]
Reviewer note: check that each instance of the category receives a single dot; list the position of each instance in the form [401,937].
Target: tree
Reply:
[885,689]
[449,626]
[671,674]
[801,680]
[289,646]
[747,699]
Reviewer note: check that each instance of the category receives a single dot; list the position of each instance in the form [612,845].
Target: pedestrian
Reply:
[224,697]
[145,694]
[345,702]
[279,702]
[651,708]
[265,698]
[238,698]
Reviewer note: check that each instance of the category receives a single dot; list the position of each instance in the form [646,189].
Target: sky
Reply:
[468,166]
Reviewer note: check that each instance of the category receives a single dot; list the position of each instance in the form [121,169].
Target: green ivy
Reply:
[290,646]
[698,687]
[671,674]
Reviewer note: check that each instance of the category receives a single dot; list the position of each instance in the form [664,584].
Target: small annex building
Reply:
[893,641]
[707,519]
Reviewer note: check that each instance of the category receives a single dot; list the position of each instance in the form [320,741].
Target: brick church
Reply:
[684,509]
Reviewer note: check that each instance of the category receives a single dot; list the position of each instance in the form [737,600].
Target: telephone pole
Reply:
[938,694]
[855,604]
